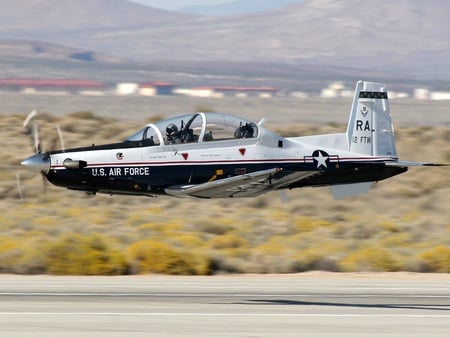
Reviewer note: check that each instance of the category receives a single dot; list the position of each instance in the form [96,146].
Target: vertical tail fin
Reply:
[370,130]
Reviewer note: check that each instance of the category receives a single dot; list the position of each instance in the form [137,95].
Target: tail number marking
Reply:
[360,125]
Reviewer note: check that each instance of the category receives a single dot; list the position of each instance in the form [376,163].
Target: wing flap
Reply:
[246,185]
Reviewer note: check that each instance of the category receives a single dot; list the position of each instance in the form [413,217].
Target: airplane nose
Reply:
[38,163]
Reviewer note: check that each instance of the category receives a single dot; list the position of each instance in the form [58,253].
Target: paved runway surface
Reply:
[303,305]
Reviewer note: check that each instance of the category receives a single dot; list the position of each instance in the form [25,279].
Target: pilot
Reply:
[245,131]
[172,135]
[208,136]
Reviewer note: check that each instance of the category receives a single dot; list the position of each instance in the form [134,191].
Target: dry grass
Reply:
[402,224]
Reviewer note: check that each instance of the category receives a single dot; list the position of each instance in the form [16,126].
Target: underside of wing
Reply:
[246,185]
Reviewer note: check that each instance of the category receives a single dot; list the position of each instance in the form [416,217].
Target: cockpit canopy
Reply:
[196,128]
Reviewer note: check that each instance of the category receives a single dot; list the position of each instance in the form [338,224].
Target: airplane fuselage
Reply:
[150,170]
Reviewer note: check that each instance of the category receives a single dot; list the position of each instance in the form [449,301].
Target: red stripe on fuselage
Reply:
[186,163]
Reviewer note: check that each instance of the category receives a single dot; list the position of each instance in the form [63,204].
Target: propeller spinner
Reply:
[37,163]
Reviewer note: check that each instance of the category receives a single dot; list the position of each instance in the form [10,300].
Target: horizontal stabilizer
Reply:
[415,164]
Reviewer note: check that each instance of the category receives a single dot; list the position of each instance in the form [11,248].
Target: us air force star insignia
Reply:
[321,158]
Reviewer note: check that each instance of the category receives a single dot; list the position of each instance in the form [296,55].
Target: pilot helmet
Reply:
[171,129]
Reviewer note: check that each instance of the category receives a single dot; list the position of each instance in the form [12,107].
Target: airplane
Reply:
[217,155]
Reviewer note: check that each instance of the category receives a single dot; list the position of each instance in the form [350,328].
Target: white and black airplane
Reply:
[216,155]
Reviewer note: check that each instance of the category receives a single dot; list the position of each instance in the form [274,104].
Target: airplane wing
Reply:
[246,185]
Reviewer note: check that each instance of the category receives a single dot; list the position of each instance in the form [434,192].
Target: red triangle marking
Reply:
[185,155]
[242,151]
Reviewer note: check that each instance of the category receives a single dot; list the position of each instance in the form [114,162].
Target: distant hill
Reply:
[406,37]
[238,7]
[49,16]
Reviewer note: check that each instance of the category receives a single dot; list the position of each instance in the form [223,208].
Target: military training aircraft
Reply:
[216,155]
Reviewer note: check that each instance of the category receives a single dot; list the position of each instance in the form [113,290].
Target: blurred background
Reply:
[101,69]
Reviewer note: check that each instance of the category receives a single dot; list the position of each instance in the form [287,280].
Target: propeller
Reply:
[37,163]
[61,140]
[40,161]
[19,186]
[34,130]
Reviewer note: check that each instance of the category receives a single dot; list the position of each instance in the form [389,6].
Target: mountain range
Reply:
[406,38]
[237,7]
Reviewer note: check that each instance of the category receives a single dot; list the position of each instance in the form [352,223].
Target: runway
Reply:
[301,305]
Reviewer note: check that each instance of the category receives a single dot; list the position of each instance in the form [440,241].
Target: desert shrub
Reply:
[216,226]
[399,241]
[232,261]
[10,254]
[150,256]
[322,256]
[260,202]
[32,255]
[187,240]
[228,241]
[275,245]
[305,223]
[76,254]
[389,226]
[305,260]
[370,259]
[313,263]
[437,259]
[24,256]
[46,221]
[84,115]
[204,108]
[155,118]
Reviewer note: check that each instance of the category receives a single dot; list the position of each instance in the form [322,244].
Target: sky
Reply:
[176,4]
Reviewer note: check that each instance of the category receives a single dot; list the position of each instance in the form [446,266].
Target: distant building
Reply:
[336,89]
[421,94]
[245,91]
[156,88]
[337,86]
[127,88]
[298,94]
[328,93]
[145,88]
[440,96]
[196,92]
[397,95]
[222,91]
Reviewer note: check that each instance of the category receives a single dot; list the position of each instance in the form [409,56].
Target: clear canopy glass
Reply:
[196,127]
